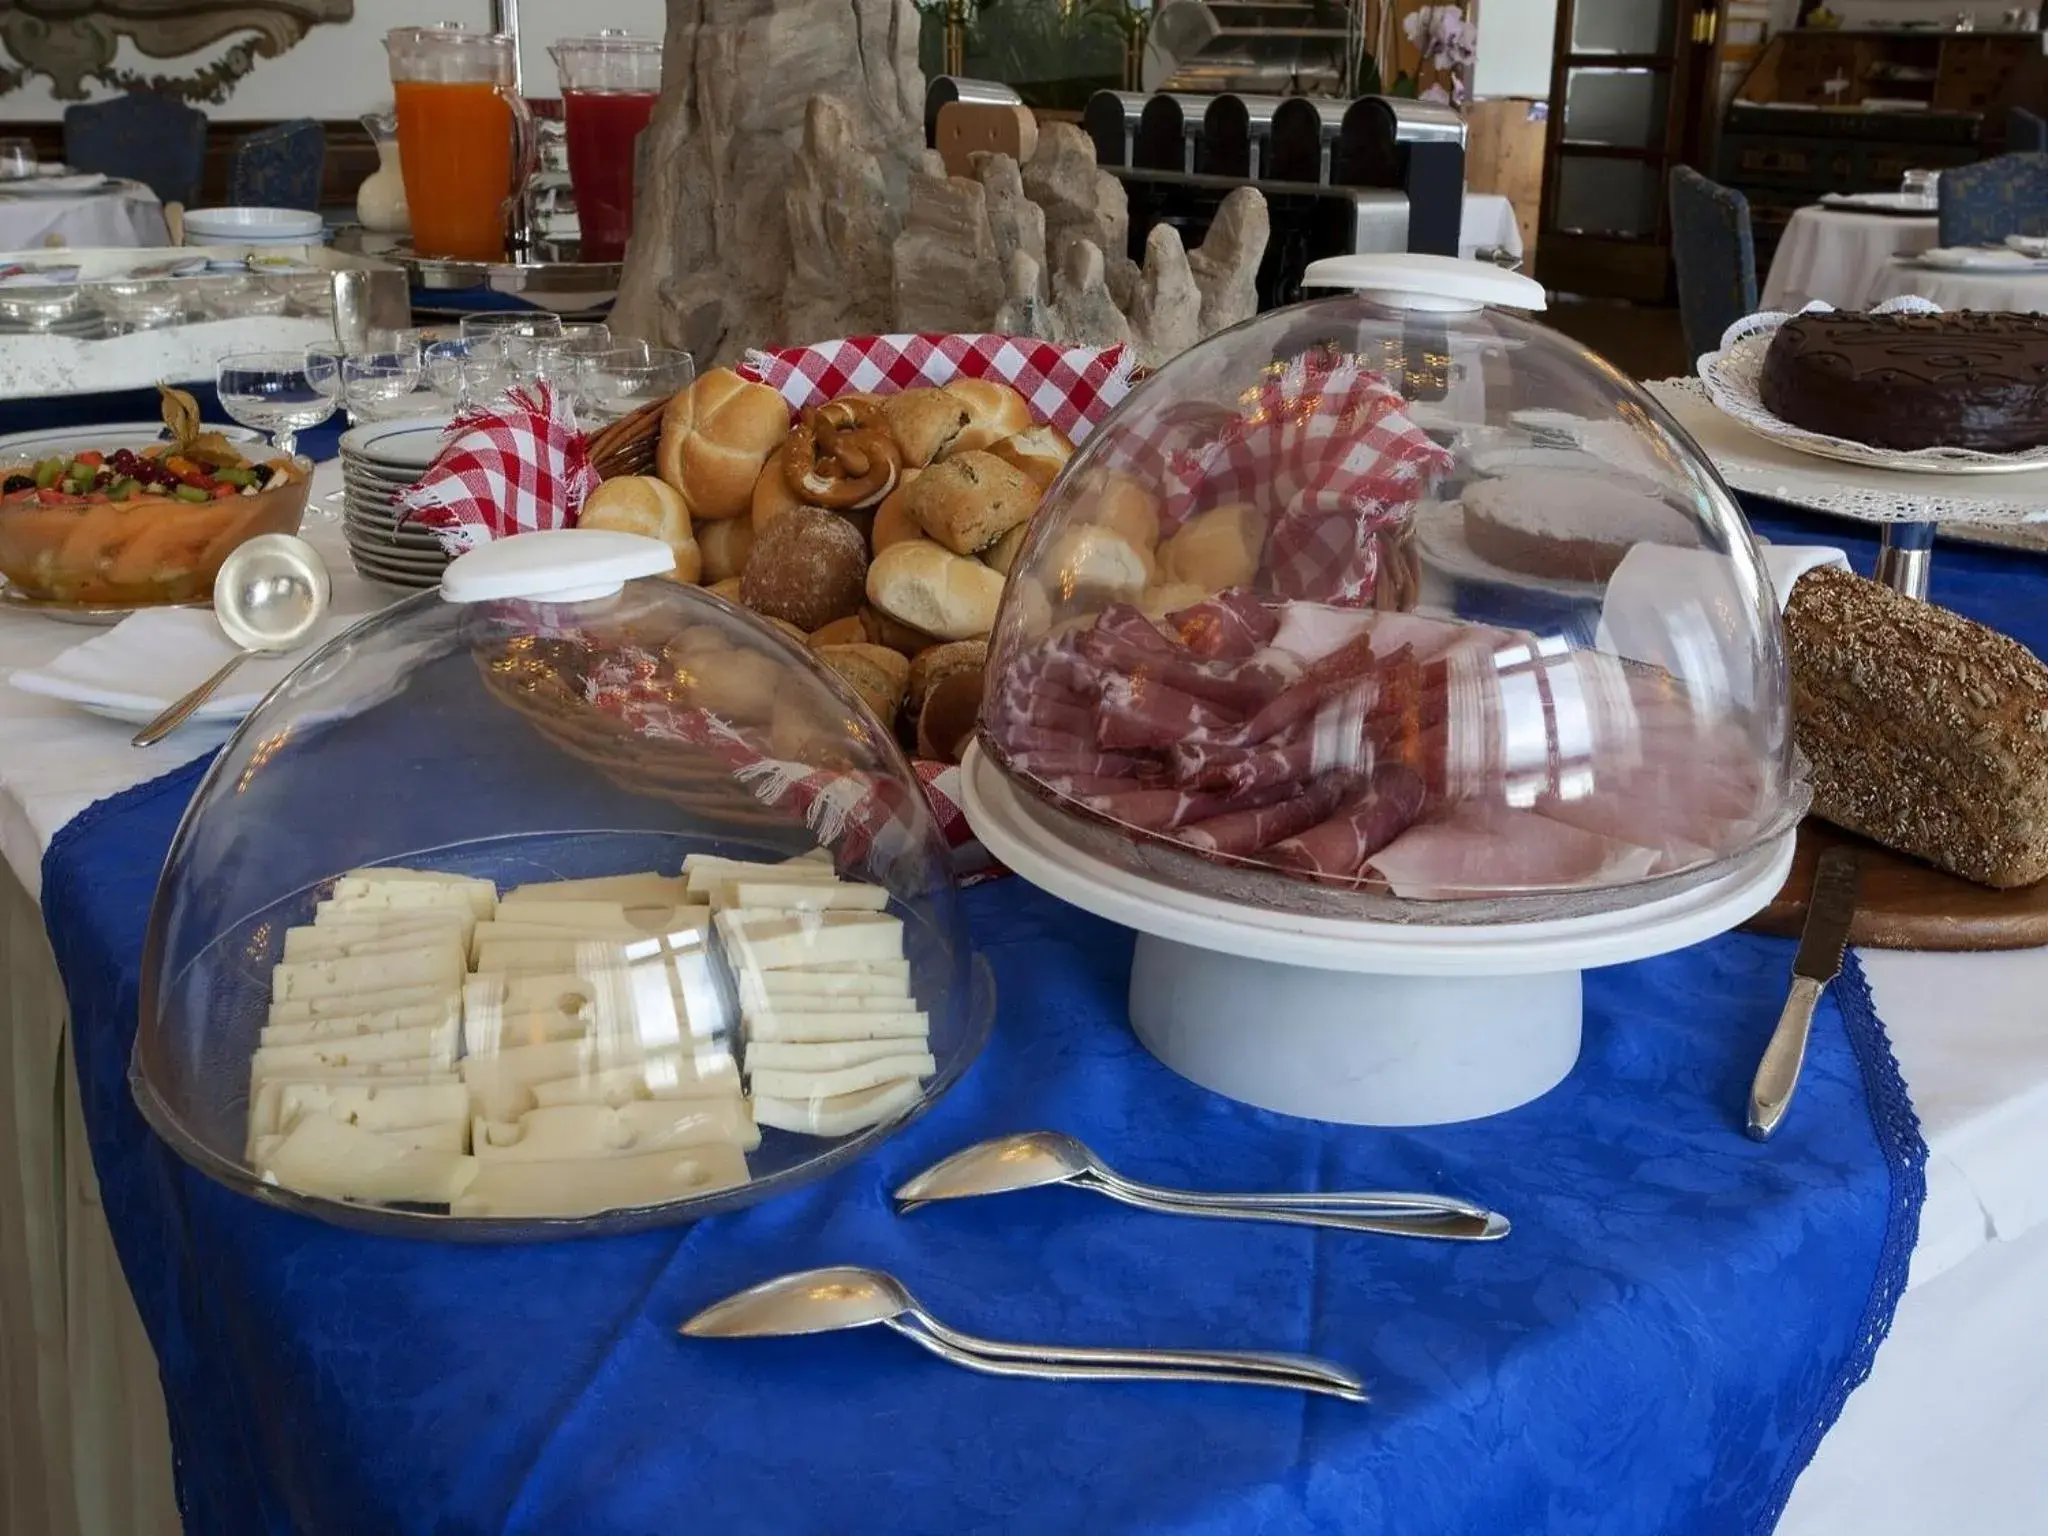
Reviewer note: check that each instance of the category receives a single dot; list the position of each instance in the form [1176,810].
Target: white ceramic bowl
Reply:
[208,226]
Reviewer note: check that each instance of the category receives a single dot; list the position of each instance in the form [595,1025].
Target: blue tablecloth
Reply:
[1675,1322]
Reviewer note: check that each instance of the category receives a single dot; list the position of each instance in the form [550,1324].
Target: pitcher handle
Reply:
[526,157]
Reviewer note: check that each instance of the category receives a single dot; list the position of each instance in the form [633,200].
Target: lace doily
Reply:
[1765,468]
[1733,378]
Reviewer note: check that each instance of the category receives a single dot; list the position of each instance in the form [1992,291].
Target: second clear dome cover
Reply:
[1369,608]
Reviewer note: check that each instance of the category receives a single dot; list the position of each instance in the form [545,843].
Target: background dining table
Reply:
[1842,256]
[120,215]
[2019,291]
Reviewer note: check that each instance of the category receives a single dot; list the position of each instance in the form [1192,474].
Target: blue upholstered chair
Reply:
[1983,203]
[279,167]
[1715,255]
[2025,132]
[144,137]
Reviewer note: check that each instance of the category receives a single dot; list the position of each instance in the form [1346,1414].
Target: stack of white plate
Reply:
[253,226]
[379,461]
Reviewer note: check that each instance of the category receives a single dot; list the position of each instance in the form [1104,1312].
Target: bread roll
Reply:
[894,633]
[927,586]
[643,505]
[1041,452]
[729,589]
[878,674]
[994,411]
[715,436]
[848,631]
[799,636]
[924,423]
[933,665]
[725,546]
[1129,509]
[772,496]
[945,722]
[808,568]
[1215,549]
[1095,565]
[1002,554]
[893,522]
[1926,732]
[969,501]
[737,684]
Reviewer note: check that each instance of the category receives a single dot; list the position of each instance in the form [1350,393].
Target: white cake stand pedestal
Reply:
[1358,1022]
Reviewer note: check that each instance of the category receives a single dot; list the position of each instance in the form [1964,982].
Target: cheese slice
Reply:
[425,1042]
[754,1007]
[666,890]
[823,1055]
[490,1032]
[832,1083]
[502,1085]
[899,968]
[446,1011]
[407,886]
[443,1136]
[813,1027]
[320,1156]
[839,1116]
[773,941]
[703,873]
[563,1131]
[671,1075]
[373,1106]
[268,1095]
[754,895]
[774,986]
[336,940]
[436,964]
[347,1005]
[584,1188]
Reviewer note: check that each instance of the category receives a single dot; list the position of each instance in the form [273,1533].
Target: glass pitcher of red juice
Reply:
[465,138]
[609,86]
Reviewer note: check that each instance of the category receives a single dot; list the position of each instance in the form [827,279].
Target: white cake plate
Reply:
[1359,1022]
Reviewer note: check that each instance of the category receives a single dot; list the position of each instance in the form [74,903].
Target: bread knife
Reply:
[1822,943]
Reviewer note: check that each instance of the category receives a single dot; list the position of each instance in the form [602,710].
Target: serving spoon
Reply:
[1033,1159]
[851,1296]
[269,597]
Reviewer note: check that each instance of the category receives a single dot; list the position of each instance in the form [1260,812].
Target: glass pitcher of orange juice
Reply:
[465,138]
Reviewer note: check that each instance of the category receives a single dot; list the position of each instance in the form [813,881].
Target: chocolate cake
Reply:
[1962,380]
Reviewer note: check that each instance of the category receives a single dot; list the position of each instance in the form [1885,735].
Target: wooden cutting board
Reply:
[1904,904]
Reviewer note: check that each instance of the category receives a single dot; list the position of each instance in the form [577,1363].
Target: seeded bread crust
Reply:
[1927,733]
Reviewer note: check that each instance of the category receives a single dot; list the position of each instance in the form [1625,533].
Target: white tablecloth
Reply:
[1840,258]
[126,215]
[2025,292]
[1967,1029]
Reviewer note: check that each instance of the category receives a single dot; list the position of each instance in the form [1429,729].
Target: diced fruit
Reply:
[191,493]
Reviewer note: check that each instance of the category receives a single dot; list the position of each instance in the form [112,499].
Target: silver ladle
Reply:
[1032,1159]
[269,596]
[850,1296]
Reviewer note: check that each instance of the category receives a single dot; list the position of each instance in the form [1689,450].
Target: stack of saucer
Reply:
[379,461]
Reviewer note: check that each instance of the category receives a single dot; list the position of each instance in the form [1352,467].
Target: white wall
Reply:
[1515,44]
[340,71]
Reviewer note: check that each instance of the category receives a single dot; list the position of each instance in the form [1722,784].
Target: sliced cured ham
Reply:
[1338,850]
[1238,686]
[1162,810]
[1232,624]
[1138,712]
[1243,833]
[1483,849]
[1080,762]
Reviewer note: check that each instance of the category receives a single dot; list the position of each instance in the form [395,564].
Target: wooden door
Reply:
[1633,92]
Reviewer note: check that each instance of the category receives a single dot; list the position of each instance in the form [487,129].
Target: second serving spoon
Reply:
[1033,1159]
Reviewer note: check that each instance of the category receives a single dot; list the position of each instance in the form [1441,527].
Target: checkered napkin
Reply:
[516,466]
[857,814]
[1327,442]
[1073,388]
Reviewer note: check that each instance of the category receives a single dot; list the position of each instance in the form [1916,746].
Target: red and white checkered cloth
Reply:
[1325,442]
[516,466]
[1072,388]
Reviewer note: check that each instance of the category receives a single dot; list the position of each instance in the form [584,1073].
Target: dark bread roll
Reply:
[1927,733]
[809,567]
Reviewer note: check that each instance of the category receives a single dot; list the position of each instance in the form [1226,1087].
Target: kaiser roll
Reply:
[643,505]
[715,436]
[994,411]
[808,568]
[1215,549]
[1085,560]
[928,587]
[971,500]
[1041,452]
[726,546]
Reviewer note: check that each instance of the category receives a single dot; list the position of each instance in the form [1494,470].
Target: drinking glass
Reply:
[17,159]
[373,384]
[500,327]
[466,374]
[1924,185]
[271,392]
[554,357]
[619,382]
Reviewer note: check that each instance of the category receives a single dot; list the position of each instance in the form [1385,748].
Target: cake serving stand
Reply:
[1350,1020]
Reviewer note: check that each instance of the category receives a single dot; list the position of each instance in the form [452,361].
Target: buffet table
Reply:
[302,1412]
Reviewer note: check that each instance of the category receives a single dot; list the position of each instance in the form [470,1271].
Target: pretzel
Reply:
[841,457]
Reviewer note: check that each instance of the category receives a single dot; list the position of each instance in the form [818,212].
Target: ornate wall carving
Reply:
[74,41]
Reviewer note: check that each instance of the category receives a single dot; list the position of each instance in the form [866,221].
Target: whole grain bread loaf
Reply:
[1927,733]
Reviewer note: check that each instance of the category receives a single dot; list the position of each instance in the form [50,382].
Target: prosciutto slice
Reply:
[1244,832]
[1079,761]
[1483,849]
[1238,686]
[1162,810]
[1139,712]
[1338,849]
[1232,624]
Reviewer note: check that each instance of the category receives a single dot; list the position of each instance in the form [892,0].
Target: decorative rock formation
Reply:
[1025,311]
[1017,223]
[1166,310]
[1226,264]
[1084,312]
[841,228]
[947,275]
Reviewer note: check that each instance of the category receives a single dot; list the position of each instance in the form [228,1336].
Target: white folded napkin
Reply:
[1668,606]
[152,658]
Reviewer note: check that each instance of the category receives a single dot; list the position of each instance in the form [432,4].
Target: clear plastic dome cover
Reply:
[1377,608]
[517,917]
